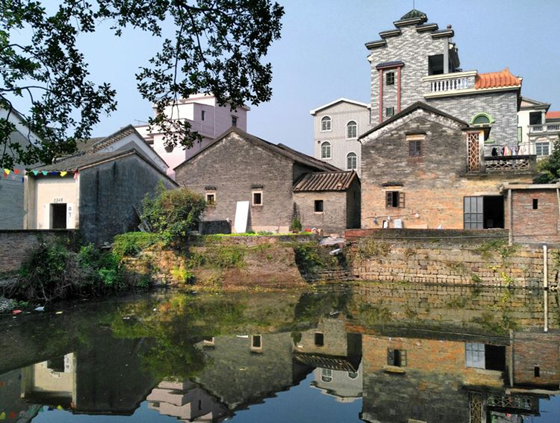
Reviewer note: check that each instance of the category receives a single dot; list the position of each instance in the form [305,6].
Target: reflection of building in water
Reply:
[12,408]
[455,378]
[245,370]
[186,401]
[336,356]
[51,382]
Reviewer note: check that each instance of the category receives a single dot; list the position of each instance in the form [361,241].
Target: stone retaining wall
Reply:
[483,264]
[15,245]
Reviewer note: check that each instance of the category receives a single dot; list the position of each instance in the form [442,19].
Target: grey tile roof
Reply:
[325,181]
[78,161]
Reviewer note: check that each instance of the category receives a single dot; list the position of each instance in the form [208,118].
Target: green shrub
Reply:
[173,214]
[295,226]
[132,243]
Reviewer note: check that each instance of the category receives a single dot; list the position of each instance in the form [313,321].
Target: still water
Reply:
[372,353]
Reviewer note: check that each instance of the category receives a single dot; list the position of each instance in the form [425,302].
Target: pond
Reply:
[371,352]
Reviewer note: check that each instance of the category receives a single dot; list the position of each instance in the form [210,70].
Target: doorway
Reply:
[58,216]
[484,212]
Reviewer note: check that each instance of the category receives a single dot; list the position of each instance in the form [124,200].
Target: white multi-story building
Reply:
[538,128]
[205,116]
[337,126]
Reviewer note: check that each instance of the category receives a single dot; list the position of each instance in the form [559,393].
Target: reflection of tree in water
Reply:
[314,305]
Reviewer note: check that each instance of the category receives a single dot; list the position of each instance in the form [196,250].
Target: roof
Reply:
[85,145]
[553,115]
[410,109]
[496,80]
[80,161]
[386,65]
[326,362]
[325,181]
[340,100]
[514,186]
[529,103]
[414,13]
[279,149]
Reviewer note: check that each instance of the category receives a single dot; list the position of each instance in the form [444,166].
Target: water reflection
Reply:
[400,353]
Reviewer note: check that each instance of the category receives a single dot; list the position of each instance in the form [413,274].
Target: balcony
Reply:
[449,84]
[546,127]
[510,164]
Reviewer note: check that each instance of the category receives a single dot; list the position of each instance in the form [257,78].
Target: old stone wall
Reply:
[535,222]
[536,359]
[11,202]
[15,245]
[109,194]
[333,219]
[434,185]
[486,264]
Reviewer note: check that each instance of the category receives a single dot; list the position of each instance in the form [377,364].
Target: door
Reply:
[59,216]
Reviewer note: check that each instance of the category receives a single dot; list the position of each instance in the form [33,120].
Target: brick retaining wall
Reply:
[15,245]
[450,264]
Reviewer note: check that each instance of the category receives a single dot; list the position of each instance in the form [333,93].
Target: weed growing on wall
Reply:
[133,243]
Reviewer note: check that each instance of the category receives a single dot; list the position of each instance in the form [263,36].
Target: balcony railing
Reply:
[449,82]
[510,164]
[548,127]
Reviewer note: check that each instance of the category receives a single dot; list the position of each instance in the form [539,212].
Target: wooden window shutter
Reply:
[411,148]
[389,199]
[390,357]
[403,358]
[401,200]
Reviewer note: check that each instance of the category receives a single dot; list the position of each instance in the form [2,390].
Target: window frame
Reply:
[397,357]
[355,156]
[355,125]
[317,202]
[210,193]
[326,118]
[324,144]
[542,144]
[392,82]
[392,109]
[261,193]
[390,203]
[234,120]
[417,151]
[203,115]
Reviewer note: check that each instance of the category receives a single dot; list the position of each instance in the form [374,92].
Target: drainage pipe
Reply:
[545,262]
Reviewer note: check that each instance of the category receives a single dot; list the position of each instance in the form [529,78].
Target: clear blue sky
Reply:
[322,57]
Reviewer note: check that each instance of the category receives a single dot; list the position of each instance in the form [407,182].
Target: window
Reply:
[415,148]
[396,357]
[390,78]
[352,375]
[435,64]
[326,123]
[234,121]
[351,161]
[389,111]
[543,148]
[394,199]
[169,148]
[326,150]
[318,206]
[535,118]
[535,203]
[257,198]
[319,339]
[211,197]
[351,129]
[519,134]
[473,212]
[326,375]
[202,114]
[481,120]
[475,355]
[537,371]
[256,343]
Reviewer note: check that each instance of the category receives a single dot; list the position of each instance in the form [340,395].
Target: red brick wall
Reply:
[532,350]
[536,225]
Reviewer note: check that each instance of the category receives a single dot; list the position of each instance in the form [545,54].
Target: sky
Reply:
[321,56]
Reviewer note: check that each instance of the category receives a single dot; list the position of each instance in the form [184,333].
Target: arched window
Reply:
[326,150]
[351,129]
[351,161]
[326,124]
[482,119]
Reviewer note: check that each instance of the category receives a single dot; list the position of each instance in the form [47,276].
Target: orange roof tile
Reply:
[553,115]
[496,80]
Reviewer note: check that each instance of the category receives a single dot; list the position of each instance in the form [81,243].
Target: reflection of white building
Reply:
[345,385]
[186,401]
[205,116]
[51,382]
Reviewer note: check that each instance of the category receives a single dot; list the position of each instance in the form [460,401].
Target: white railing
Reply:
[452,84]
[551,127]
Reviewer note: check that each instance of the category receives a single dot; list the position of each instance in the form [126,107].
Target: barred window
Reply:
[394,199]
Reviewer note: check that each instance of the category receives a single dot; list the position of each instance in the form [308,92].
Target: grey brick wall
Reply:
[11,203]
[333,218]
[109,193]
[233,167]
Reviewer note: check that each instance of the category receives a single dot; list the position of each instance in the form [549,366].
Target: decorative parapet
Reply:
[510,164]
[449,83]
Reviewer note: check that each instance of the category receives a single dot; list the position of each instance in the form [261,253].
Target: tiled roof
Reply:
[325,181]
[553,115]
[414,13]
[326,362]
[385,65]
[496,80]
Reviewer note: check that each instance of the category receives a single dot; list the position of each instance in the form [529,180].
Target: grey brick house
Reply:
[417,61]
[239,167]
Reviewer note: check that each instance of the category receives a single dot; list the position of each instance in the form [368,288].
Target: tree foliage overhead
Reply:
[218,47]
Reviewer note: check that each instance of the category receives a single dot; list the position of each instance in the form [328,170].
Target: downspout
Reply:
[545,263]
[399,91]
[380,95]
